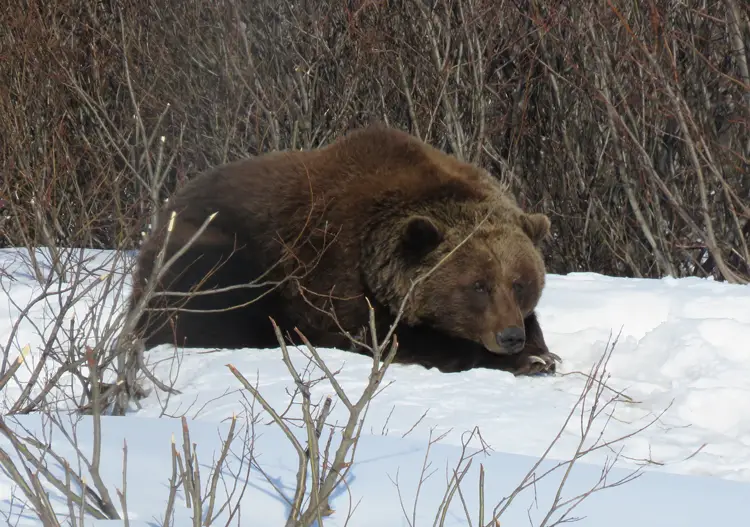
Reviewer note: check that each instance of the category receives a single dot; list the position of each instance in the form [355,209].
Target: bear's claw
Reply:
[537,364]
[535,359]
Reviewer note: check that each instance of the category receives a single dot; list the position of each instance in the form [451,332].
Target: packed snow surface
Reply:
[677,387]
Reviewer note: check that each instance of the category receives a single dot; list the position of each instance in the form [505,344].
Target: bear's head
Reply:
[485,286]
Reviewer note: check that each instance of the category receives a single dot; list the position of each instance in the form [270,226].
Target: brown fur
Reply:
[362,217]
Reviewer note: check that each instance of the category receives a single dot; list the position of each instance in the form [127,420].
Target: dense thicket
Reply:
[627,122]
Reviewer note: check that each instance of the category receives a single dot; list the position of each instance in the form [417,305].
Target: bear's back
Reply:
[341,186]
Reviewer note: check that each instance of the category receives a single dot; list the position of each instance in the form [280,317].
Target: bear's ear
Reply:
[536,226]
[419,236]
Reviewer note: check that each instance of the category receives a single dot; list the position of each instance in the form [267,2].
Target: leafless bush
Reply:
[84,364]
[212,494]
[73,322]
[72,343]
[89,179]
[628,124]
[594,408]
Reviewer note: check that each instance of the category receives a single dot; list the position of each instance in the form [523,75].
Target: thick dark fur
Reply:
[362,217]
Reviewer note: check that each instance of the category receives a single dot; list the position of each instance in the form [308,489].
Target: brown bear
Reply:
[311,238]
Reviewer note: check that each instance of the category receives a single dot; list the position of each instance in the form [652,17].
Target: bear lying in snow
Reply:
[321,233]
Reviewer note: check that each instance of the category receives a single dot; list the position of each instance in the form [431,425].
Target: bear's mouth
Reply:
[491,343]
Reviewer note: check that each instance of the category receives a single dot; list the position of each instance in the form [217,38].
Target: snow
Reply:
[681,361]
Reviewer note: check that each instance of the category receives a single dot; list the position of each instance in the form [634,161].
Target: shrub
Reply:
[626,122]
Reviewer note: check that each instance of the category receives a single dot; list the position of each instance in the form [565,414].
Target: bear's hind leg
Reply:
[211,320]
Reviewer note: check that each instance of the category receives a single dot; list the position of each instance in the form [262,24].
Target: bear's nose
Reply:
[512,339]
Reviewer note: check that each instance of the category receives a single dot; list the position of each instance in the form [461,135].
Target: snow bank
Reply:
[683,349]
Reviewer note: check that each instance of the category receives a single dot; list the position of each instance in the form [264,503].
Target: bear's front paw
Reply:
[536,363]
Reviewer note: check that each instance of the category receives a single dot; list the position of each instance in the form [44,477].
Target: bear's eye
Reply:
[481,287]
[518,289]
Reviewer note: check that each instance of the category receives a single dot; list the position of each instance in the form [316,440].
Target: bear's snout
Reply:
[511,339]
